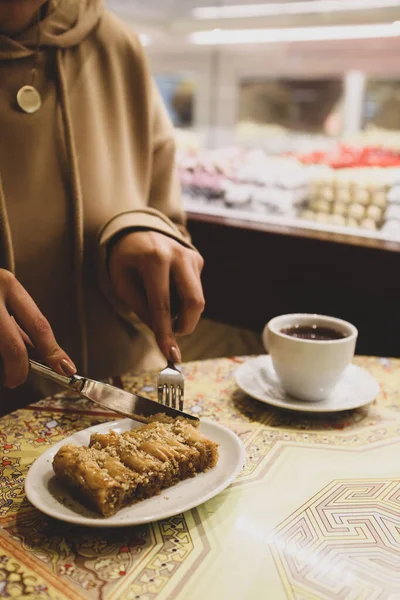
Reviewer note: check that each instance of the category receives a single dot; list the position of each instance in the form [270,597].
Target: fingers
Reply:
[37,328]
[155,258]
[147,295]
[186,274]
[25,338]
[129,288]
[156,278]
[13,352]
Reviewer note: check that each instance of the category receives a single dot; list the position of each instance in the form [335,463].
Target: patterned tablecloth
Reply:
[314,514]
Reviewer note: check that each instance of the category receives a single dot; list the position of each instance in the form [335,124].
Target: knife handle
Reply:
[75,382]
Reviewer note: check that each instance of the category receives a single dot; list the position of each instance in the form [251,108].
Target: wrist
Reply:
[117,237]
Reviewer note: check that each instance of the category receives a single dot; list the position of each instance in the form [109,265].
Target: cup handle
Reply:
[264,337]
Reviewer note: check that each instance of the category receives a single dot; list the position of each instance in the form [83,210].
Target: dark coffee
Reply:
[314,332]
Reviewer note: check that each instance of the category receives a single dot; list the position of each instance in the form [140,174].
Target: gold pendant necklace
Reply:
[28,96]
[29,99]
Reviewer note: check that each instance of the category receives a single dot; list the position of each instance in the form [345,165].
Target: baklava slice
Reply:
[119,469]
[97,480]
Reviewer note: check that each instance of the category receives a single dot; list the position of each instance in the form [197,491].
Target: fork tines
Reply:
[170,385]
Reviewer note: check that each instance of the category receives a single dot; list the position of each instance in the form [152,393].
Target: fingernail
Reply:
[175,355]
[68,368]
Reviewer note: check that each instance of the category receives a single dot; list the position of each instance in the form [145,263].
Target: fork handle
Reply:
[171,365]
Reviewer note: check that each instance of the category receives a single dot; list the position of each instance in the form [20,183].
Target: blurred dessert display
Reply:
[349,188]
[188,140]
[276,140]
[391,225]
[352,197]
[250,180]
[376,136]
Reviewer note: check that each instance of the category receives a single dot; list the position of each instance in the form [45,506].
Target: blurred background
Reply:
[313,83]
[287,116]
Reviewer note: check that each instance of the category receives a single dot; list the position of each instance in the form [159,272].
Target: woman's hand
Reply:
[21,325]
[144,266]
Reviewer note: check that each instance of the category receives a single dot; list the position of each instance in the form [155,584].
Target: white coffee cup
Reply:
[309,369]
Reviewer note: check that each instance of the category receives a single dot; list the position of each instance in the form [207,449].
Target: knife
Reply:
[108,396]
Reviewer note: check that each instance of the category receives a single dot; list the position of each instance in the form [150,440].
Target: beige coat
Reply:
[97,158]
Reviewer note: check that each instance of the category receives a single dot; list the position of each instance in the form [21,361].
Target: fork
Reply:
[170,386]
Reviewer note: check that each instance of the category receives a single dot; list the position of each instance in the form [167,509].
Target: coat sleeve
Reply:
[163,211]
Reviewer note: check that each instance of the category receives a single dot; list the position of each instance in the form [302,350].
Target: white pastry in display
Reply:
[343,194]
[352,222]
[328,193]
[238,193]
[314,191]
[393,212]
[361,196]
[394,194]
[374,213]
[320,175]
[357,211]
[380,198]
[308,215]
[392,227]
[261,195]
[337,220]
[274,200]
[368,224]
[323,205]
[299,196]
[339,208]
[322,218]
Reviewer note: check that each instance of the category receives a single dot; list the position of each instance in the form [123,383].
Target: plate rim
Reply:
[305,407]
[106,522]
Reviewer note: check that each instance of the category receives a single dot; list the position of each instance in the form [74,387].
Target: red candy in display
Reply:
[352,157]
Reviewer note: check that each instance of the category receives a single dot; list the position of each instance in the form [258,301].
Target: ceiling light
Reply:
[294,34]
[290,8]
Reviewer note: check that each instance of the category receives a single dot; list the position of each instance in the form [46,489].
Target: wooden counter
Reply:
[254,271]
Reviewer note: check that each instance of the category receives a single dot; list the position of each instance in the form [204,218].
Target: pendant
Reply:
[28,99]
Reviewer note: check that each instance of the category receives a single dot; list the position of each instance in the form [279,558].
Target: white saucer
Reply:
[47,495]
[257,378]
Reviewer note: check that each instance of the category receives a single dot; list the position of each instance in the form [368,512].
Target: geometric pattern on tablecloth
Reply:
[120,564]
[25,435]
[29,432]
[211,393]
[264,444]
[19,581]
[343,544]
[76,563]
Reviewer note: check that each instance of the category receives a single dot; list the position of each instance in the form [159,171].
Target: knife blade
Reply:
[128,404]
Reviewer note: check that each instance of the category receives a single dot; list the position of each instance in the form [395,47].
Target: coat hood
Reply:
[66,24]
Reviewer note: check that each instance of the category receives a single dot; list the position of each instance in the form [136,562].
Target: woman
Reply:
[91,227]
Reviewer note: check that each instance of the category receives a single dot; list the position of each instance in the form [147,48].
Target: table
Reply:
[255,271]
[314,514]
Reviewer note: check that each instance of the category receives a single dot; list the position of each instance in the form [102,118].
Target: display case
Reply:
[285,112]
[294,161]
[288,137]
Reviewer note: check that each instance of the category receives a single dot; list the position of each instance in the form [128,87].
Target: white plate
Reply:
[257,378]
[46,494]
